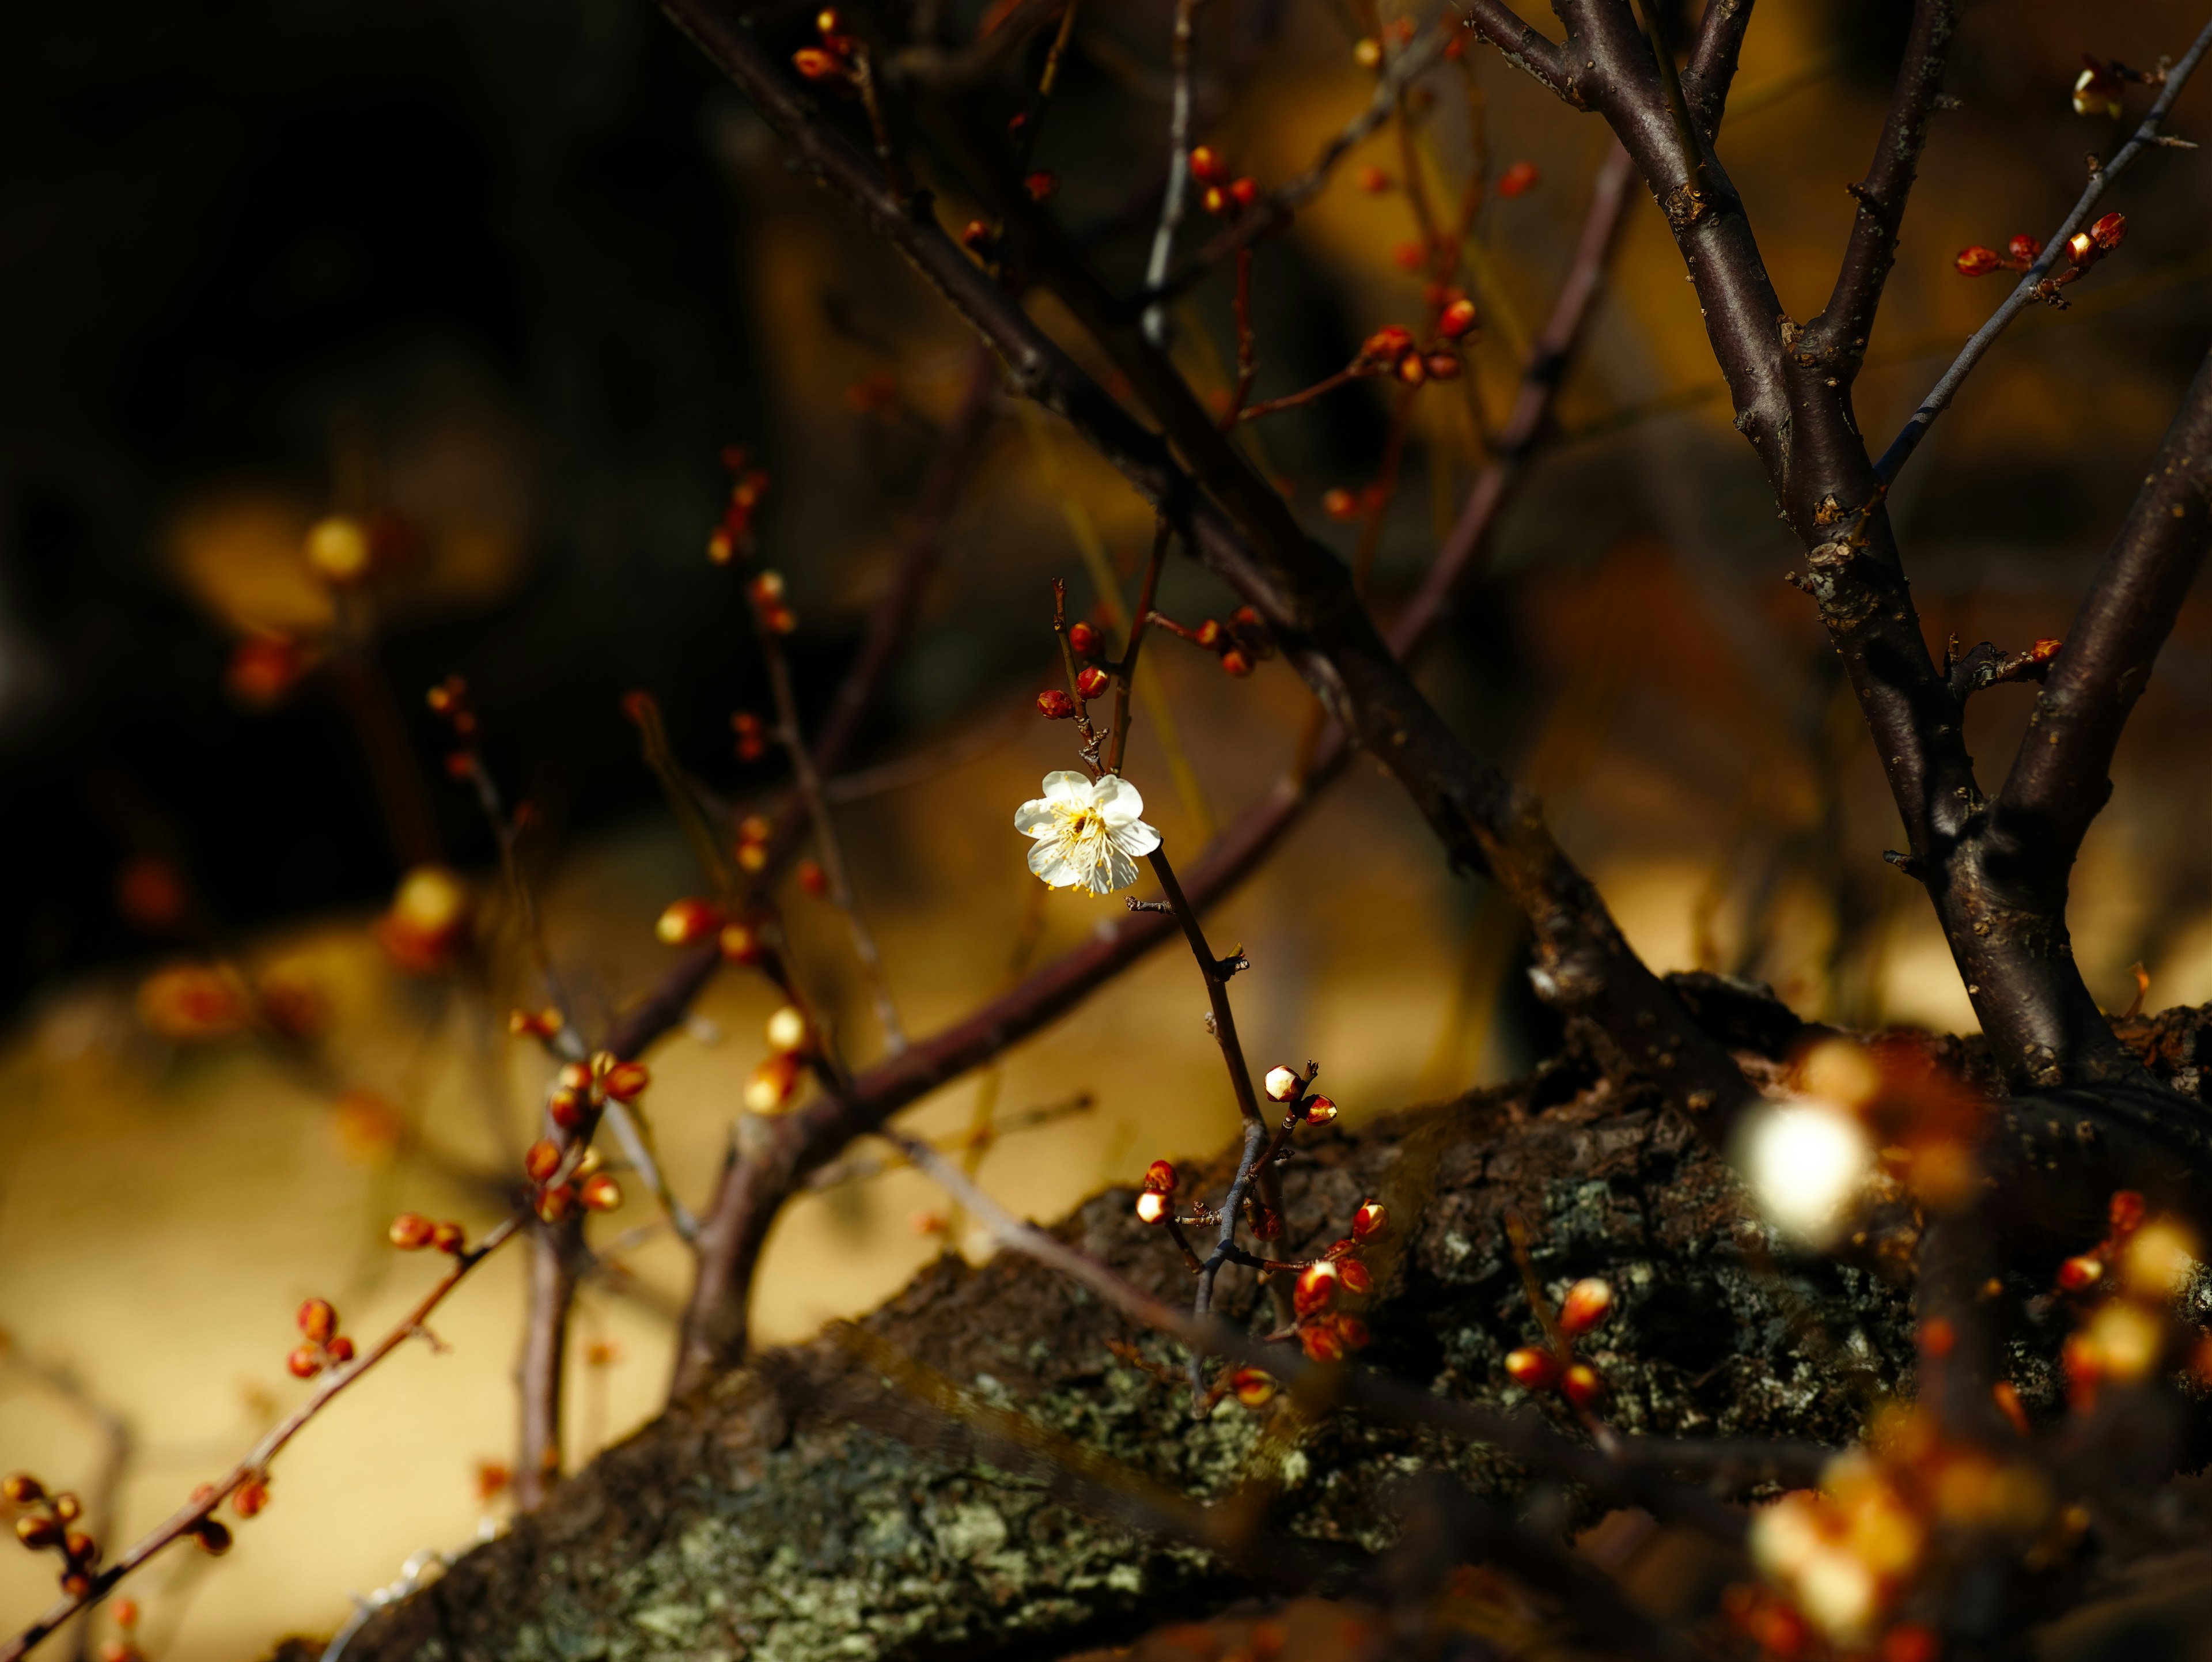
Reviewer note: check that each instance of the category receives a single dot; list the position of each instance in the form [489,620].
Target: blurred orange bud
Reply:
[1459,319]
[1977,261]
[1152,1207]
[150,895]
[37,1530]
[337,549]
[1041,185]
[1209,634]
[1532,1367]
[600,1192]
[815,65]
[125,1612]
[812,878]
[1340,504]
[2009,1403]
[1443,366]
[1236,663]
[1518,179]
[304,1362]
[1160,1175]
[553,1204]
[1244,192]
[1588,1303]
[429,922]
[1083,640]
[770,1087]
[1207,166]
[2127,1213]
[2080,1273]
[1321,1341]
[449,1236]
[1581,1385]
[22,1489]
[687,920]
[1351,1330]
[369,1129]
[740,945]
[341,1348]
[262,668]
[1412,369]
[1411,256]
[1374,180]
[541,1160]
[319,1320]
[410,1232]
[1255,1387]
[565,1108]
[193,1003]
[787,1029]
[249,1497]
[1367,51]
[1358,1279]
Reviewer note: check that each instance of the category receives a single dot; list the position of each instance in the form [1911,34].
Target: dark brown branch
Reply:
[1711,68]
[1523,47]
[1835,341]
[540,1371]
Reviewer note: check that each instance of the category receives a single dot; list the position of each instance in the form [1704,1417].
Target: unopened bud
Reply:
[2109,232]
[1977,261]
[213,1538]
[22,1489]
[1518,179]
[2127,1213]
[1340,503]
[553,1205]
[1532,1367]
[1351,1330]
[317,1319]
[1367,51]
[787,1028]
[1371,1219]
[1041,185]
[815,65]
[1092,681]
[600,1192]
[1412,369]
[772,1083]
[1587,1304]
[626,1081]
[449,1236]
[1236,663]
[1055,705]
[1458,320]
[1255,1387]
[1582,1385]
[36,1530]
[1358,1279]
[565,1108]
[740,944]
[687,920]
[1318,1110]
[1160,1175]
[542,1160]
[1284,1084]
[1083,640]
[305,1361]
[1152,1207]
[2078,1273]
[1207,166]
[1244,192]
[1316,1287]
[2024,248]
[249,1499]
[340,1349]
[410,1232]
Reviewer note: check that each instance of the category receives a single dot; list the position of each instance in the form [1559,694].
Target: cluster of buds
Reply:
[1846,1563]
[1393,351]
[752,735]
[544,1024]
[1222,196]
[582,1089]
[411,1231]
[1328,1332]
[833,60]
[765,593]
[428,924]
[692,919]
[748,486]
[2127,1283]
[123,1647]
[791,1042]
[45,1522]
[449,700]
[1241,644]
[559,1186]
[2098,88]
[2083,250]
[321,1343]
[264,667]
[1552,1366]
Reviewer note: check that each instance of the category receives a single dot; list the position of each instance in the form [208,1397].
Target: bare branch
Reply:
[542,1368]
[1835,341]
[1178,186]
[2145,137]
[1523,47]
[1711,68]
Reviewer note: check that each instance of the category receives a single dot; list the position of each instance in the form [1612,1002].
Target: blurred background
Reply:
[499,283]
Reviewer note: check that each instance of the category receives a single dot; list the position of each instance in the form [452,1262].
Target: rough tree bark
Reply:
[811,1508]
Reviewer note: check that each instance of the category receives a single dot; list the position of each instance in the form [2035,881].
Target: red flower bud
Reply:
[1371,1219]
[1160,1175]
[2127,1212]
[22,1489]
[1152,1207]
[410,1232]
[1042,184]
[2079,1273]
[687,920]
[1319,1109]
[1410,256]
[1412,369]
[449,1236]
[341,1349]
[541,1162]
[1441,365]
[976,237]
[1517,179]
[318,1320]
[815,65]
[1255,1387]
[740,945]
[1358,1279]
[1092,682]
[1587,1304]
[1321,1341]
[1532,1367]
[565,1108]
[2024,248]
[1209,635]
[1316,1287]
[1244,192]
[1214,200]
[67,1507]
[626,1081]
[1083,640]
[1236,663]
[1206,166]
[2108,232]
[1340,504]
[1055,705]
[1351,1330]
[249,1498]
[1374,180]
[812,878]
[600,1192]
[304,1362]
[1387,345]
[1459,318]
[1582,1385]
[1977,261]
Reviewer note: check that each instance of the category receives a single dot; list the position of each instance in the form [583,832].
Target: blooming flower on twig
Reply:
[1087,834]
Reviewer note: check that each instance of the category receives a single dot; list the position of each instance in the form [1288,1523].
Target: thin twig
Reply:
[187,1519]
[1178,187]
[1033,118]
[2145,137]
[1125,673]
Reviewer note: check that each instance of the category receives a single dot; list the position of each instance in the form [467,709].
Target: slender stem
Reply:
[1125,673]
[2145,136]
[541,1371]
[1091,738]
[1178,186]
[1292,401]
[1247,350]
[187,1519]
[1216,990]
[1033,119]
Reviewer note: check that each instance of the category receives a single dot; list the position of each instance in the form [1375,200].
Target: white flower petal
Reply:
[1071,789]
[1134,838]
[1116,870]
[1118,799]
[1036,819]
[1049,862]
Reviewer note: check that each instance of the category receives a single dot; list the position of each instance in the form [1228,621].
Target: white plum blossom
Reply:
[1088,834]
